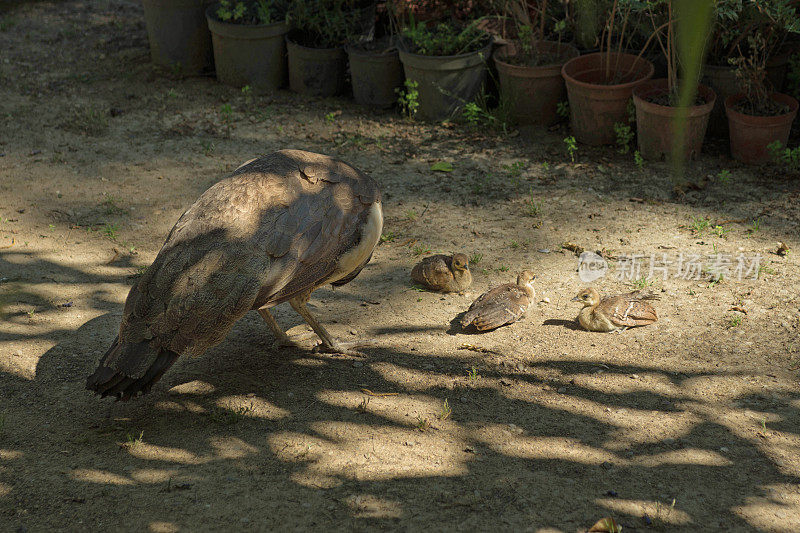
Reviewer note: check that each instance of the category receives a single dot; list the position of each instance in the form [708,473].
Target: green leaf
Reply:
[442,166]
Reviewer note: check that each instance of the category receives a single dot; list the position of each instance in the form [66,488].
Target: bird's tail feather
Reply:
[107,381]
[468,318]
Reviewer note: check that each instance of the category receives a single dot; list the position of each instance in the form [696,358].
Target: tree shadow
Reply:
[568,324]
[269,431]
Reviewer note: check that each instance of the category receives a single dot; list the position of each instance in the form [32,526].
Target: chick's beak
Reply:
[576,299]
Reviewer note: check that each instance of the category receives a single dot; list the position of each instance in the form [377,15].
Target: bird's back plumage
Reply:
[497,307]
[629,310]
[278,226]
[438,273]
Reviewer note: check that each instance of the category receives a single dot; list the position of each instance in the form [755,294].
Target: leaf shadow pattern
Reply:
[252,436]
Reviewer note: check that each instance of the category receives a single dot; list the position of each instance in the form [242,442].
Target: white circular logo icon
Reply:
[591,267]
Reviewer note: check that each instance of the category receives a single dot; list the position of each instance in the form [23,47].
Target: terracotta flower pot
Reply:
[722,79]
[246,54]
[178,35]
[445,83]
[375,75]
[597,101]
[751,134]
[316,71]
[534,92]
[657,126]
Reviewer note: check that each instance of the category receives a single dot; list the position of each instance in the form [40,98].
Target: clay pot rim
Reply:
[401,47]
[761,119]
[650,69]
[660,85]
[568,51]
[353,49]
[211,15]
[290,41]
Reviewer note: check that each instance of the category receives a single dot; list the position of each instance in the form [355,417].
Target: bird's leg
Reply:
[281,338]
[329,344]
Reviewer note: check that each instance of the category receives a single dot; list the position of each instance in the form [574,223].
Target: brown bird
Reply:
[620,311]
[275,230]
[502,305]
[446,273]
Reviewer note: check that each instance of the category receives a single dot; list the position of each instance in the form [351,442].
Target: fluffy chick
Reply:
[446,273]
[501,305]
[619,311]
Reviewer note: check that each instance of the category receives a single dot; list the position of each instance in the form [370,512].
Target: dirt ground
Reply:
[692,424]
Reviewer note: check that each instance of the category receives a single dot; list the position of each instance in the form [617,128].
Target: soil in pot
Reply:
[657,120]
[599,87]
[249,54]
[316,71]
[178,35]
[375,72]
[532,83]
[750,134]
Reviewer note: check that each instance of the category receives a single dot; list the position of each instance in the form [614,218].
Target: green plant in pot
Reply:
[599,85]
[248,39]
[757,116]
[315,43]
[447,61]
[658,114]
[726,32]
[529,69]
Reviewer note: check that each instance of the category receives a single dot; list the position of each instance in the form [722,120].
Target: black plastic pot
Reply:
[316,71]
[178,35]
[446,83]
[375,74]
[253,55]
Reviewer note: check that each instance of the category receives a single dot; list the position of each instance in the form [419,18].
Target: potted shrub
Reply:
[375,71]
[178,35]
[658,116]
[758,117]
[600,84]
[733,23]
[248,39]
[726,34]
[315,42]
[529,69]
[447,62]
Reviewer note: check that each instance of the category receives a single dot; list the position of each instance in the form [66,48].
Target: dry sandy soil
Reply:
[692,424]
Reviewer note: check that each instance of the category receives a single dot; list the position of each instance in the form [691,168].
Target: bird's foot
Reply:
[302,341]
[344,348]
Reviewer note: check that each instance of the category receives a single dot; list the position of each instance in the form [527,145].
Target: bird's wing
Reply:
[502,305]
[628,310]
[271,230]
[432,270]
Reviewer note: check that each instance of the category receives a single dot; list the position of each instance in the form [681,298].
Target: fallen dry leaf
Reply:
[379,394]
[578,250]
[479,349]
[606,525]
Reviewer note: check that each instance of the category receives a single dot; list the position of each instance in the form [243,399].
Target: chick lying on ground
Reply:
[501,305]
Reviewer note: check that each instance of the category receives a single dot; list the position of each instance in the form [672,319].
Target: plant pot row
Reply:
[598,86]
[599,91]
